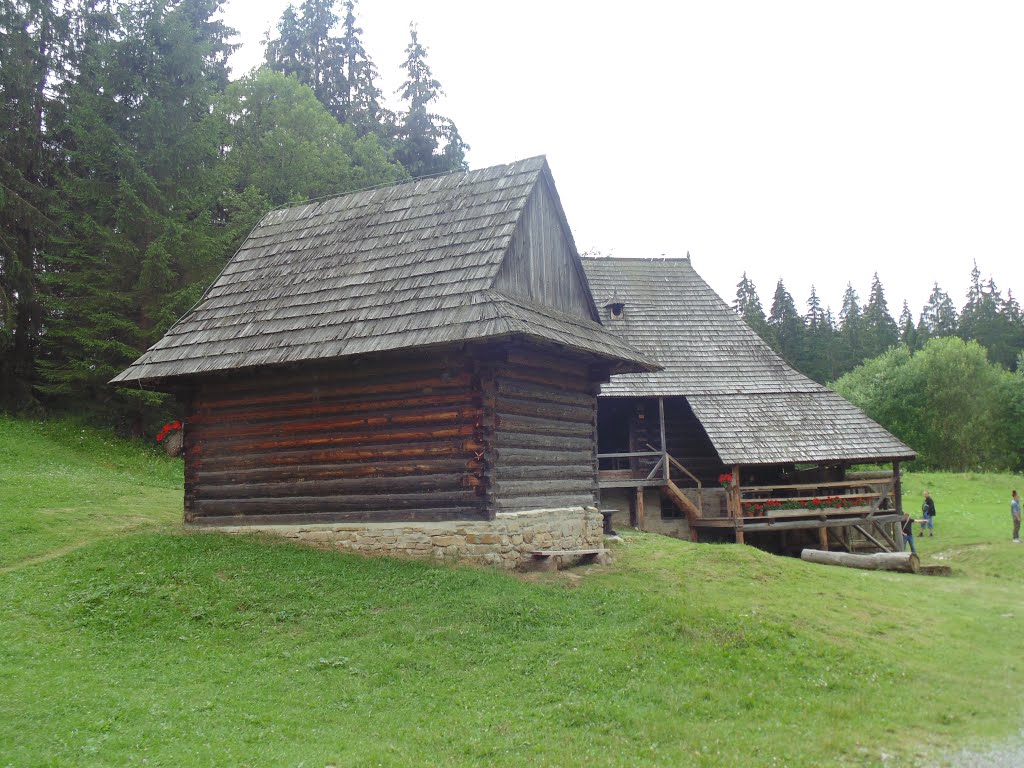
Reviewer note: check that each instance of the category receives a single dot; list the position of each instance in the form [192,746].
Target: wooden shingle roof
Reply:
[405,266]
[755,408]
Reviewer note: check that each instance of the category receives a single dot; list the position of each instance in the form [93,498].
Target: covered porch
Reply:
[781,506]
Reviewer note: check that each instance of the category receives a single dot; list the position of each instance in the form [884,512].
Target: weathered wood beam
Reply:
[904,562]
[863,531]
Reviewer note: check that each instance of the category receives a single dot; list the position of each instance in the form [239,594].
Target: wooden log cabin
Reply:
[408,370]
[727,441]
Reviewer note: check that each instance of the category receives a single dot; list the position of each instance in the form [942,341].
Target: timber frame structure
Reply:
[414,367]
[727,441]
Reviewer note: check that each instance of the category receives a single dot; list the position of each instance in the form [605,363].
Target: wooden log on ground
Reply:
[904,562]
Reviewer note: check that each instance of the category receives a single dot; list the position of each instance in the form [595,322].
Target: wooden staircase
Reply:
[674,493]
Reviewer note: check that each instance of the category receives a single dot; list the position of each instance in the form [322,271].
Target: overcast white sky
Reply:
[817,141]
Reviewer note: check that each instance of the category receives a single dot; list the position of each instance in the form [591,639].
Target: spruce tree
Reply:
[878,329]
[306,48]
[428,143]
[938,317]
[748,306]
[363,100]
[787,327]
[33,49]
[137,207]
[851,352]
[819,333]
[907,330]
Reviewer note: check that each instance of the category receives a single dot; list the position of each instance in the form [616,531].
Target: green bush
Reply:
[947,401]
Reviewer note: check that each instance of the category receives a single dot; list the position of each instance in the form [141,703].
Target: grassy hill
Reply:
[128,642]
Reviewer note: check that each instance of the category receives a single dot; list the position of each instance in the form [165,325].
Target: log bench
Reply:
[547,559]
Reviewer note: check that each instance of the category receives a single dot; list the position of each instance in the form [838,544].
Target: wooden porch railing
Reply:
[822,498]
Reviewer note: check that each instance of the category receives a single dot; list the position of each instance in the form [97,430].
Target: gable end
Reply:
[541,264]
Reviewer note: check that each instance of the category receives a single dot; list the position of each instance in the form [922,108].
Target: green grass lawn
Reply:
[63,484]
[147,646]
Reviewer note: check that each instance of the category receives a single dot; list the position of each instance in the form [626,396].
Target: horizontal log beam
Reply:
[315,407]
[438,514]
[420,484]
[365,503]
[904,562]
[339,470]
[345,454]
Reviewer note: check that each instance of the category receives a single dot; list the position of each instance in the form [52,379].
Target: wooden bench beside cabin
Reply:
[547,559]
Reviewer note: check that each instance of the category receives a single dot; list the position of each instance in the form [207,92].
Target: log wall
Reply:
[394,439]
[401,438]
[543,411]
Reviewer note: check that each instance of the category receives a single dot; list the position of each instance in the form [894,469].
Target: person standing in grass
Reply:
[928,511]
[1015,514]
[907,526]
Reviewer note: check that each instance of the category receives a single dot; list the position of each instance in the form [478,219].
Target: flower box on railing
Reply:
[805,505]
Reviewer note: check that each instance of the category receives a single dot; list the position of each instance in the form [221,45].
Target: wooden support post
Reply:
[843,534]
[871,538]
[641,517]
[897,487]
[661,426]
[823,539]
[888,539]
[737,504]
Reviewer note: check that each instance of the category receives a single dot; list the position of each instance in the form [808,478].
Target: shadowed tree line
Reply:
[950,385]
[132,166]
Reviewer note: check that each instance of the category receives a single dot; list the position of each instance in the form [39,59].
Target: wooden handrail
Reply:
[637,454]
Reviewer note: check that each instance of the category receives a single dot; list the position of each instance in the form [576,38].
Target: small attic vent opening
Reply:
[616,310]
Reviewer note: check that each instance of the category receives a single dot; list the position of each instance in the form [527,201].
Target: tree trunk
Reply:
[905,562]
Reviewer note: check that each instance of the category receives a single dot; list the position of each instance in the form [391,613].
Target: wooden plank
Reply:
[641,513]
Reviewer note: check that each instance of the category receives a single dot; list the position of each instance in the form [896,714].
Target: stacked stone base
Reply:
[506,541]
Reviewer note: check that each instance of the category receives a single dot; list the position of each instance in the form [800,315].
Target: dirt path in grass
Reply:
[52,554]
[1008,755]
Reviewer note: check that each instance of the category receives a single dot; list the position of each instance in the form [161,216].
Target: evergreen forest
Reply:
[132,166]
[950,384]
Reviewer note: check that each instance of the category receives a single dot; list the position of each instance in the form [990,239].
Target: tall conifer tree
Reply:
[748,306]
[851,352]
[428,143]
[33,49]
[787,327]
[878,329]
[819,356]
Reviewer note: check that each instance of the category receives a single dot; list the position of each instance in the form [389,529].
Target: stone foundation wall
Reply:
[505,541]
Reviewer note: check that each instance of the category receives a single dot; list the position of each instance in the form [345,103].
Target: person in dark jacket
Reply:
[907,526]
[928,512]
